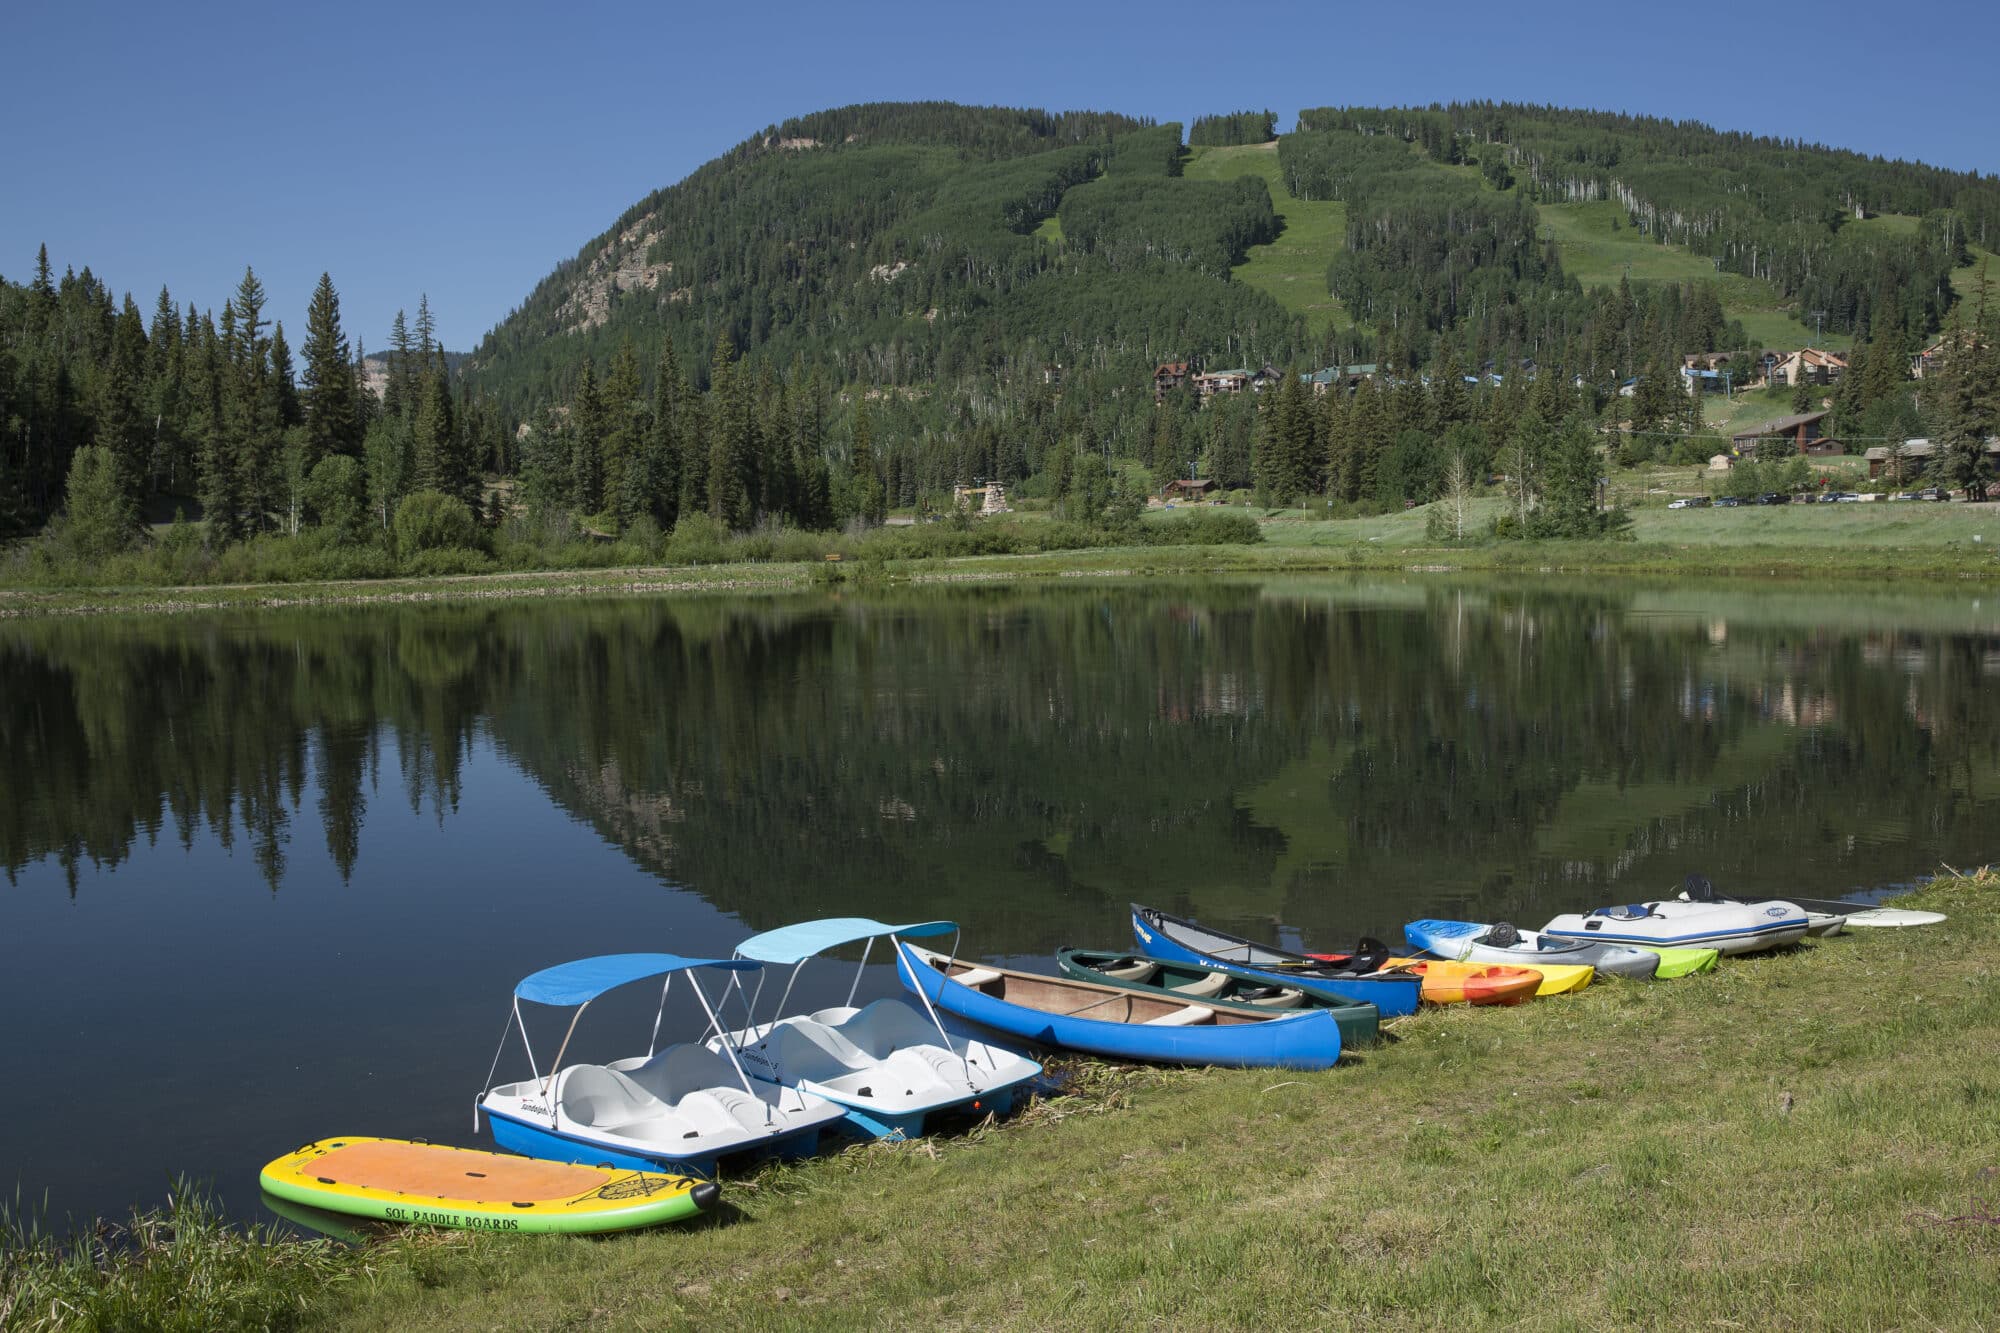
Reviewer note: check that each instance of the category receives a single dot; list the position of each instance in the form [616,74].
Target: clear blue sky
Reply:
[463,150]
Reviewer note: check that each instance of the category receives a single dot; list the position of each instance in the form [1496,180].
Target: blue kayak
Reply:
[1471,942]
[1176,939]
[1118,1023]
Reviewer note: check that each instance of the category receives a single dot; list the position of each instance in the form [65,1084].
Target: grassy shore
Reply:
[1884,542]
[1804,1140]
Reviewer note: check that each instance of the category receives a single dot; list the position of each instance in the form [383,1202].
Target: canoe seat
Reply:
[977,977]
[1212,984]
[1282,997]
[1138,970]
[1180,1018]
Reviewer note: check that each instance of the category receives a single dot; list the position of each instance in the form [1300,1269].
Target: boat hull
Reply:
[1446,982]
[1360,1023]
[1392,994]
[1727,928]
[400,1181]
[1460,942]
[1293,1041]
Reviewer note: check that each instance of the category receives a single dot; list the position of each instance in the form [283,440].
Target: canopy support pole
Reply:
[556,1064]
[964,1056]
[653,1042]
[866,949]
[728,1046]
[505,1028]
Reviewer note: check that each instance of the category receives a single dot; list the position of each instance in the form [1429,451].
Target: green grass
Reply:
[1599,245]
[1784,1143]
[1293,267]
[184,1268]
[1853,542]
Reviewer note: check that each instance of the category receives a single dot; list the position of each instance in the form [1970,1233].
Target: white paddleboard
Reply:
[1880,917]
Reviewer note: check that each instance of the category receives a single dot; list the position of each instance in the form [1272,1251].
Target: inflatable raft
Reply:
[429,1184]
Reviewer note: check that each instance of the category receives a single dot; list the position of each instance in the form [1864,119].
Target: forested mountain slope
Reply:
[894,245]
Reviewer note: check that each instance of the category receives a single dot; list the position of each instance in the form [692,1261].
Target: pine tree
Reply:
[165,399]
[99,518]
[624,431]
[1525,459]
[399,394]
[729,442]
[1569,483]
[121,426]
[586,444]
[215,463]
[251,403]
[659,476]
[329,400]
[284,387]
[1958,398]
[871,503]
[434,441]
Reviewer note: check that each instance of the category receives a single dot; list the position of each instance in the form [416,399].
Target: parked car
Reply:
[1848,498]
[1728,502]
[1689,502]
[1934,493]
[1774,498]
[1904,495]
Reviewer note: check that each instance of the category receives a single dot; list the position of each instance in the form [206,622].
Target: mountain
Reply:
[916,243]
[903,244]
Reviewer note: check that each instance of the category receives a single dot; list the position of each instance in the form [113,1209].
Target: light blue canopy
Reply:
[795,944]
[588,978]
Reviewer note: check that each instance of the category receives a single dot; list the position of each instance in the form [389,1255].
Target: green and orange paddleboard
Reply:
[397,1180]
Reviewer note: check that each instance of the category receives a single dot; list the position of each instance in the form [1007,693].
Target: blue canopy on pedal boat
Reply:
[795,944]
[587,978]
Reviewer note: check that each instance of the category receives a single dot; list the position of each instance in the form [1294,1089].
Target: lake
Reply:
[271,876]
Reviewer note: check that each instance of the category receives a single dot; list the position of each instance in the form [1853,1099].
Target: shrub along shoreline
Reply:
[704,558]
[1805,1139]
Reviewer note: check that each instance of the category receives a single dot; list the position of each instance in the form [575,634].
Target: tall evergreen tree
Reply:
[332,425]
[121,425]
[399,394]
[586,444]
[284,387]
[169,467]
[730,481]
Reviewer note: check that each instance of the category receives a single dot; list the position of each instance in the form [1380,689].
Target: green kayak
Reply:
[1676,962]
[1224,987]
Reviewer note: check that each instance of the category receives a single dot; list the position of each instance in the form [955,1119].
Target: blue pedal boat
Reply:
[1116,1022]
[892,1067]
[681,1108]
[1176,939]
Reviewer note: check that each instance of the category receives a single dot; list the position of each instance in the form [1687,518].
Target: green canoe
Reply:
[1225,988]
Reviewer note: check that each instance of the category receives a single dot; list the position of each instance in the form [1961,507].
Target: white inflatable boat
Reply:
[1730,928]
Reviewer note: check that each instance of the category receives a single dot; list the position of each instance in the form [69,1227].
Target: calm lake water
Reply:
[271,877]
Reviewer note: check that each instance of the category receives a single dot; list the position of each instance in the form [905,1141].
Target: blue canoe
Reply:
[1118,1023]
[1176,939]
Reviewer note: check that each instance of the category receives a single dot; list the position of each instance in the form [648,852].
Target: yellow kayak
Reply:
[1447,982]
[401,1181]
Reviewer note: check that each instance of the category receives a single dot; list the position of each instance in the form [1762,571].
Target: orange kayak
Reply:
[1471,983]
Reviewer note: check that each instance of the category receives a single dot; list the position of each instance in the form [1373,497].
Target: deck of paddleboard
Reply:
[457,1174]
